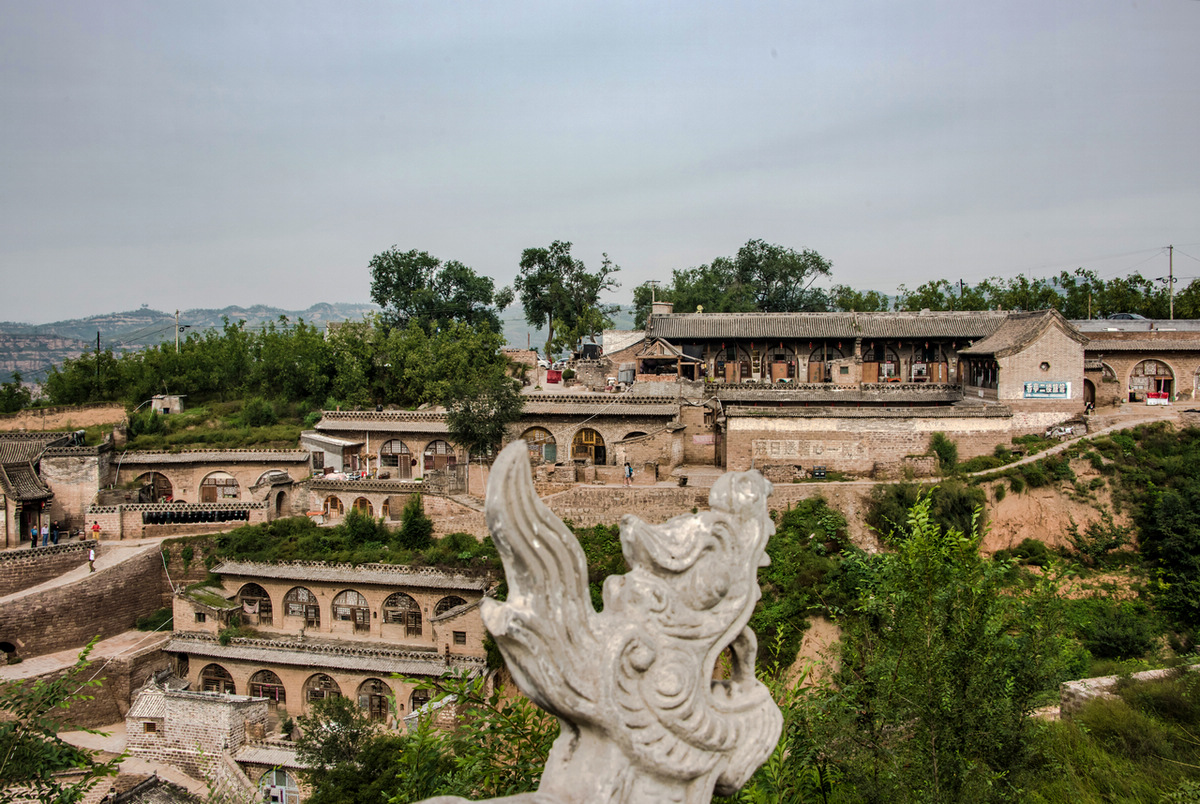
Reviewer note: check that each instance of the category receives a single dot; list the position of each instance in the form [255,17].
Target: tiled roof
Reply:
[610,407]
[775,326]
[372,660]
[1019,330]
[216,456]
[381,574]
[383,425]
[829,393]
[20,482]
[1097,345]
[276,755]
[942,412]
[26,447]
[327,440]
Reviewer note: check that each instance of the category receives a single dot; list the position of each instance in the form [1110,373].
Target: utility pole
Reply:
[176,332]
[1171,278]
[97,364]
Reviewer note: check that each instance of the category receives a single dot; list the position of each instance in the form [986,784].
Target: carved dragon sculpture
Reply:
[642,718]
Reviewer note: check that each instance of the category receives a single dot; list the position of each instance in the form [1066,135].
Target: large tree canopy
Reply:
[561,294]
[416,286]
[761,277]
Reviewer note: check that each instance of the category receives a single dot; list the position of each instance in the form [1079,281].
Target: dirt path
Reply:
[110,554]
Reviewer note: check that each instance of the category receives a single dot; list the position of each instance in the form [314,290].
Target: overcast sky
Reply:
[200,154]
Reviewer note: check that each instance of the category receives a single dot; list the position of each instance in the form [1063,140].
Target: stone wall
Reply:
[23,569]
[196,729]
[855,440]
[126,521]
[119,678]
[105,603]
[75,474]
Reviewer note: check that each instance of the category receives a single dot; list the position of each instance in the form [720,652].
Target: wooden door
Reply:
[816,371]
[870,372]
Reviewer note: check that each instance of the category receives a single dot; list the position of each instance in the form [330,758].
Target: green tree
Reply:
[559,293]
[943,666]
[480,409]
[781,278]
[416,286]
[31,752]
[14,395]
[334,736]
[416,529]
[845,298]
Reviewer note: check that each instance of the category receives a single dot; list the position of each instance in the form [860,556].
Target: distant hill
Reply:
[33,348]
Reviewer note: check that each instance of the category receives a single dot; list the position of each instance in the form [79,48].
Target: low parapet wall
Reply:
[24,568]
[1074,695]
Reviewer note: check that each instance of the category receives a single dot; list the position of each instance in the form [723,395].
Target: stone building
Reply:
[326,629]
[1141,361]
[26,497]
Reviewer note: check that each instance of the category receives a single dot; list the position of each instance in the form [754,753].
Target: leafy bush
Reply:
[258,412]
[953,505]
[1099,539]
[1029,551]
[981,463]
[945,450]
[1118,631]
[1016,481]
[416,529]
[1034,474]
[568,374]
[158,620]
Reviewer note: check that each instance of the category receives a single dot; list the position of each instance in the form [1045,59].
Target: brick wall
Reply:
[854,443]
[22,569]
[75,478]
[197,728]
[1063,357]
[105,603]
[120,676]
[125,521]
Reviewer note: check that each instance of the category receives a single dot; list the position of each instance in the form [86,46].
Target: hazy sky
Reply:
[204,153]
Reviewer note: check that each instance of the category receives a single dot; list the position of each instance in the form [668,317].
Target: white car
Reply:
[543,363]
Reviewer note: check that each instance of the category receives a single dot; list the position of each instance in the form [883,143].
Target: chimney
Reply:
[662,308]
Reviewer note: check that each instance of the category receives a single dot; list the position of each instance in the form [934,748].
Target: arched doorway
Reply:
[363,506]
[280,502]
[333,507]
[300,602]
[374,697]
[215,678]
[218,487]
[256,604]
[589,444]
[351,607]
[542,447]
[155,487]
[319,687]
[818,362]
[279,787]
[1150,380]
[395,457]
[438,455]
[1089,393]
[266,684]
[400,609]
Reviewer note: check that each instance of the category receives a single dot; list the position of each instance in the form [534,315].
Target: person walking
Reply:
[92,558]
[628,474]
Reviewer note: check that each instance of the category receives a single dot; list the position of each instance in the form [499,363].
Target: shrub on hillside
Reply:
[945,450]
[258,412]
[416,529]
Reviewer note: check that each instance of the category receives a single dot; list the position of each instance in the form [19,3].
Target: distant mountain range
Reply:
[33,348]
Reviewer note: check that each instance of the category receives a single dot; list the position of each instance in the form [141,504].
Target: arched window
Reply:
[299,602]
[320,686]
[439,455]
[351,607]
[395,455]
[215,678]
[400,609]
[589,444]
[374,698]
[333,507]
[256,603]
[218,487]
[265,684]
[278,787]
[542,447]
[445,604]
[363,506]
[418,699]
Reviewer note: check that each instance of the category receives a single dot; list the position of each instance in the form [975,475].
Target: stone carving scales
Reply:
[642,718]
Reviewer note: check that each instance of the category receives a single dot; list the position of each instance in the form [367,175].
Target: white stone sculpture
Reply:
[642,718]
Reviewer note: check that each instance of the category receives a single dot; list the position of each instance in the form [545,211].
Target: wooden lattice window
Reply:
[300,602]
[400,609]
[350,606]
[448,602]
